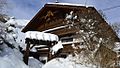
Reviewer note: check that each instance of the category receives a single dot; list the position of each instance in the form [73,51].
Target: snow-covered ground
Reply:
[11,58]
[65,63]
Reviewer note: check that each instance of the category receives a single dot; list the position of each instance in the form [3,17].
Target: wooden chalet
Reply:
[66,21]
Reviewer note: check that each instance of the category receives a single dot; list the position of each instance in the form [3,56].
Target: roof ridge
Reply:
[71,4]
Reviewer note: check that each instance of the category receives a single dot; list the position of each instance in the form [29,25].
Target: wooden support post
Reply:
[49,55]
[26,53]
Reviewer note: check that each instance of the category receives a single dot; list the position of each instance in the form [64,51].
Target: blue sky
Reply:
[26,9]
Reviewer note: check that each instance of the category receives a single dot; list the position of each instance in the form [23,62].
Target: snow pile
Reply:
[34,63]
[64,63]
[41,36]
[56,47]
[11,58]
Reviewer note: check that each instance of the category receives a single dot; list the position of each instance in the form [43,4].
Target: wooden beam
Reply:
[56,28]
[43,50]
[66,43]
[42,47]
[65,31]
[38,42]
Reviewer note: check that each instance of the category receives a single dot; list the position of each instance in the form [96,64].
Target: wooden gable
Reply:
[53,15]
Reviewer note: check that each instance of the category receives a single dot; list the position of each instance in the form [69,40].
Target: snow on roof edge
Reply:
[70,4]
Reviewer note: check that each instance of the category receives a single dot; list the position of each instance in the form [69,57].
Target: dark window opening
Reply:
[66,39]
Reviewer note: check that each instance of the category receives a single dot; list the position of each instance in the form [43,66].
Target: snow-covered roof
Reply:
[70,4]
[41,36]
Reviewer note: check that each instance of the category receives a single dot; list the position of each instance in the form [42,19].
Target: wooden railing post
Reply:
[49,54]
[26,53]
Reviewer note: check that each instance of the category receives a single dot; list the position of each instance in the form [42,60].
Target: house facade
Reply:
[79,27]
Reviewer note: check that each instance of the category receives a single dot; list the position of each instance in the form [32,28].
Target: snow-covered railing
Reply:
[41,36]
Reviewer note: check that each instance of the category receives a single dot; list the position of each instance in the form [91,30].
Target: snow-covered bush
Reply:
[11,38]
